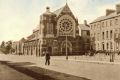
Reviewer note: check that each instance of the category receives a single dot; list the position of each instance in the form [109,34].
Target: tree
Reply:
[2,44]
[3,47]
[8,47]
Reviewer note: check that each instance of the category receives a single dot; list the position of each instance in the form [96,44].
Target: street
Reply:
[61,69]
[28,71]
[7,73]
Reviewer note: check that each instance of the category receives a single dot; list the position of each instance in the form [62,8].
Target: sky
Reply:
[18,18]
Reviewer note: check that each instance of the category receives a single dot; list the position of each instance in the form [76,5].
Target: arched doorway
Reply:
[63,47]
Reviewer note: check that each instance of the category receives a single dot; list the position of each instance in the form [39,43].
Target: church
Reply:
[58,32]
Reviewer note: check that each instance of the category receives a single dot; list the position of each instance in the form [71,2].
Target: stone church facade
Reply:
[58,32]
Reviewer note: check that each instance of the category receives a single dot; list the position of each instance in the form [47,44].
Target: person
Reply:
[47,58]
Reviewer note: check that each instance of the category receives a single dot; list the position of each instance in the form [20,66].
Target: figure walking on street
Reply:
[47,58]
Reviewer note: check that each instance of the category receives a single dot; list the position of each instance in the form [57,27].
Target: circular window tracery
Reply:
[66,25]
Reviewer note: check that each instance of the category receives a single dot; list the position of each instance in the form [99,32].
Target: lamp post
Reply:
[66,40]
[66,49]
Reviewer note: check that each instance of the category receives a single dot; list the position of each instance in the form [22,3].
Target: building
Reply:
[18,46]
[60,33]
[31,45]
[105,31]
[84,30]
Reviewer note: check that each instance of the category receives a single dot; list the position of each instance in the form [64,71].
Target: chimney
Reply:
[118,8]
[109,11]
[47,9]
[85,22]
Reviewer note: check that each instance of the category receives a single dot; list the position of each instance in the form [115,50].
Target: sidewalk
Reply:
[7,73]
[79,68]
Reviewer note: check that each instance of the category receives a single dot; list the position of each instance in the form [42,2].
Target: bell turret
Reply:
[48,22]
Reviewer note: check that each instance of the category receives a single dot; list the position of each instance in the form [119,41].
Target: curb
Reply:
[86,61]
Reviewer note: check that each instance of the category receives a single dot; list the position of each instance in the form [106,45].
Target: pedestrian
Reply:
[47,58]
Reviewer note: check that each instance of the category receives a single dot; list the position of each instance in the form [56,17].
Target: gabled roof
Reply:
[62,9]
[58,11]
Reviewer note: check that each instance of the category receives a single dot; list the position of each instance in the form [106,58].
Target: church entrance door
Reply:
[63,47]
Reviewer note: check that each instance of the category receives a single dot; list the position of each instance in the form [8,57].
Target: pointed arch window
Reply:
[51,28]
[48,28]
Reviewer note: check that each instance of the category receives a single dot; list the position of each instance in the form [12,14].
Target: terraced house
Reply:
[105,31]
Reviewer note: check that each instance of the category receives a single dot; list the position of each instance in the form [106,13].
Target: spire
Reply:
[66,1]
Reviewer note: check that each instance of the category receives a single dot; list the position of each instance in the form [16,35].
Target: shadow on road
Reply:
[40,73]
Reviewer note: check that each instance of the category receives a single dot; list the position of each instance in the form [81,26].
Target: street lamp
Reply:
[65,25]
[66,49]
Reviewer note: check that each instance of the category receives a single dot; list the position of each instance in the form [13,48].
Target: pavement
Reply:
[90,70]
[7,73]
[39,73]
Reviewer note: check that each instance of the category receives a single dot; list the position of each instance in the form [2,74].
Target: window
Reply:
[102,24]
[107,46]
[48,28]
[106,24]
[98,36]
[94,26]
[88,33]
[103,35]
[111,33]
[103,46]
[51,28]
[116,21]
[98,25]
[111,45]
[106,34]
[110,22]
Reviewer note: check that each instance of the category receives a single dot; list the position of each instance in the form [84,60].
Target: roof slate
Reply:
[58,11]
[114,14]
[83,27]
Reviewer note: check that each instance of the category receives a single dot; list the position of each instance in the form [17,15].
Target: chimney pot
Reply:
[109,11]
[48,9]
[118,8]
